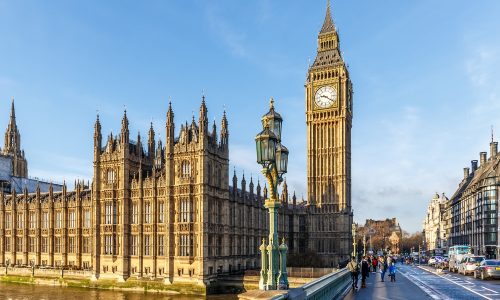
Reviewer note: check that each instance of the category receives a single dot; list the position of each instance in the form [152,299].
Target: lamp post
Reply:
[354,254]
[273,157]
[364,245]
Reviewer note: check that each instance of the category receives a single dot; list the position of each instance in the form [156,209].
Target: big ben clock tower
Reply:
[329,122]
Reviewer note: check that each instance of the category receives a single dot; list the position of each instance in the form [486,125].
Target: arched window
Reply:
[186,169]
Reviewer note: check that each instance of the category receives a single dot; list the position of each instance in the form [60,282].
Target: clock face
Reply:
[325,96]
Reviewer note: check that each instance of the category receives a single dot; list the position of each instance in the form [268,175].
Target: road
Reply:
[423,282]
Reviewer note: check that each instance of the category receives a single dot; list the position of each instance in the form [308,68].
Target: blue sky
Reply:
[425,74]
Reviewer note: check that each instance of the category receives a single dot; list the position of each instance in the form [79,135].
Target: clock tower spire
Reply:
[329,121]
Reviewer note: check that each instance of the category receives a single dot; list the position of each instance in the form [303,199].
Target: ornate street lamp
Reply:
[354,254]
[273,157]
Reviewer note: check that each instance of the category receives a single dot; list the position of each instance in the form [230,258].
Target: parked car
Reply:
[432,261]
[444,263]
[488,268]
[469,264]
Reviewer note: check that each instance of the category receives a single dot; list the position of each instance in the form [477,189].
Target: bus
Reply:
[456,254]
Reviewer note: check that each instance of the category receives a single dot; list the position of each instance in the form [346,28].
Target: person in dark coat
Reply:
[365,271]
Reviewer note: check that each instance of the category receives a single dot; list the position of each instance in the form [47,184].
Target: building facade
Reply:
[472,211]
[168,210]
[381,236]
[329,121]
[434,225]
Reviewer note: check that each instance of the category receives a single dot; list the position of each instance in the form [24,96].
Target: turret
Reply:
[224,133]
[214,133]
[235,183]
[284,193]
[203,119]
[138,148]
[97,138]
[170,127]
[151,142]
[258,190]
[251,186]
[294,199]
[243,186]
[159,156]
[124,137]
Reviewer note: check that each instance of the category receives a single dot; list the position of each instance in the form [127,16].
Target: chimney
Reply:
[474,166]
[466,173]
[493,149]
[482,158]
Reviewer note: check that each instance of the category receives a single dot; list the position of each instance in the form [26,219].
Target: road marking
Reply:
[433,294]
[471,290]
[489,289]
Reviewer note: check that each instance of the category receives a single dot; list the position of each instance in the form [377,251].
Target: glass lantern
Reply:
[281,159]
[265,143]
[273,120]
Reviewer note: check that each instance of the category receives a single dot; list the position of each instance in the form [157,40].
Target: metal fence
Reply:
[309,272]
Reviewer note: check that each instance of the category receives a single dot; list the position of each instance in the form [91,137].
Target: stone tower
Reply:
[12,146]
[329,121]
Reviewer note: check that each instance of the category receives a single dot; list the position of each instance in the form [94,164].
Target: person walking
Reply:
[365,270]
[392,272]
[383,267]
[353,267]
[374,264]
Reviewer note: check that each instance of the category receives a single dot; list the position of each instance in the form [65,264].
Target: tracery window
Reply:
[86,218]
[58,220]
[186,210]
[45,220]
[110,213]
[133,244]
[20,220]
[32,219]
[8,220]
[147,245]
[135,213]
[161,215]
[161,250]
[186,169]
[111,176]
[186,245]
[72,219]
[147,212]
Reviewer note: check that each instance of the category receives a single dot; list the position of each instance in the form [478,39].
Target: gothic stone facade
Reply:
[329,122]
[167,212]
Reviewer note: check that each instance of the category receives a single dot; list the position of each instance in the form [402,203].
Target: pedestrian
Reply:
[374,264]
[365,270]
[383,267]
[353,267]
[392,272]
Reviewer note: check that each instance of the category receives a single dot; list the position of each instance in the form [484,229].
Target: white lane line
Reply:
[420,284]
[489,289]
[471,290]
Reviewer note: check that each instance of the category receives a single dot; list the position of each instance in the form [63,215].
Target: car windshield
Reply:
[476,259]
[462,250]
[492,262]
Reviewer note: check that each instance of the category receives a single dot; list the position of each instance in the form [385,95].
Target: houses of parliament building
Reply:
[167,210]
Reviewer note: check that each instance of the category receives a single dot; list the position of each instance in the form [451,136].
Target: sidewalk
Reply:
[402,289]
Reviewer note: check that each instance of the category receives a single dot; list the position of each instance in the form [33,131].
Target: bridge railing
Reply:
[330,286]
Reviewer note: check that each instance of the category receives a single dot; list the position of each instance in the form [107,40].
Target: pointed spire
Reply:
[328,25]
[224,133]
[12,112]
[151,141]
[170,113]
